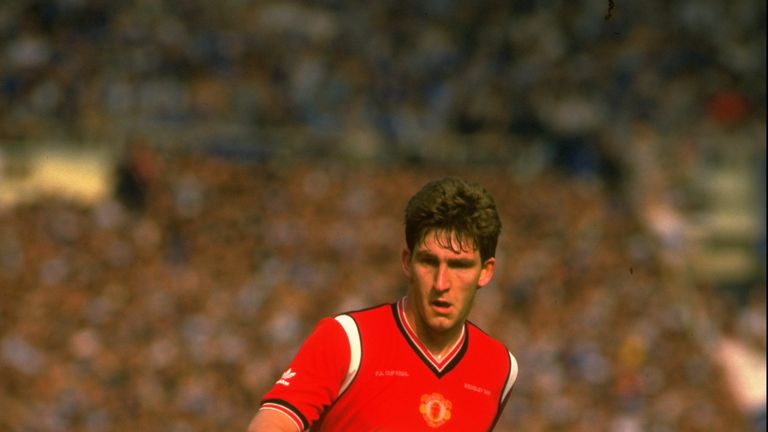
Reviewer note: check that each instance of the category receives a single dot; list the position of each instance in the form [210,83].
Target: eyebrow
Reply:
[463,262]
[423,254]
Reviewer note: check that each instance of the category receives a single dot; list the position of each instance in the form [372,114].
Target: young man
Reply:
[416,364]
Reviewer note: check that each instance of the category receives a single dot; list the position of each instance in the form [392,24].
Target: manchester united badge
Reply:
[435,409]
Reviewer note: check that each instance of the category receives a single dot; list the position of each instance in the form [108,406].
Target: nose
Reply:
[442,282]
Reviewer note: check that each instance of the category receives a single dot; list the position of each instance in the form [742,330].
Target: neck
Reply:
[439,343]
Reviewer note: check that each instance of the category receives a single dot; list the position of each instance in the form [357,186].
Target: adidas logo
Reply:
[286,376]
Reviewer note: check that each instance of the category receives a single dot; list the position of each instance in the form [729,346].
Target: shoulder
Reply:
[493,350]
[373,313]
[491,346]
[343,319]
[479,336]
[369,311]
[354,322]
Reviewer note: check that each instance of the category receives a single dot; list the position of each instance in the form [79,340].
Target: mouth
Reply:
[441,306]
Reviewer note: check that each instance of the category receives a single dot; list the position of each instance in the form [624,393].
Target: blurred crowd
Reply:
[410,79]
[177,311]
[271,148]
[647,96]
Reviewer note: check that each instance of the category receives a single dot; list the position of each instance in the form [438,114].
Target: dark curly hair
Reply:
[451,206]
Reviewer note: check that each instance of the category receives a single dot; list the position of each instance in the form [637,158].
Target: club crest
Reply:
[435,409]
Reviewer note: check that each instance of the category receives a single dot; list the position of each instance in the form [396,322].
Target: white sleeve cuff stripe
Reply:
[355,349]
[290,414]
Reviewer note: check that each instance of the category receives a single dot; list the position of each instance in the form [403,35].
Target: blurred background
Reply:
[187,187]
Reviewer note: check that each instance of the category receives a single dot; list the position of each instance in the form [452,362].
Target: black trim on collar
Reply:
[438,372]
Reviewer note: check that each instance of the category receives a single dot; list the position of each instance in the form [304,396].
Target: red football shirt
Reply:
[367,370]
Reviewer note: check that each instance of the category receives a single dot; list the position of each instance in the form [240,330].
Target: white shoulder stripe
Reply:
[353,335]
[512,376]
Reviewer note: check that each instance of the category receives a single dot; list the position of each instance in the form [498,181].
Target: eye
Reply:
[428,260]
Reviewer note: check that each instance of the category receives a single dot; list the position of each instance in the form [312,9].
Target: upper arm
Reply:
[314,377]
[508,383]
[267,420]
[511,376]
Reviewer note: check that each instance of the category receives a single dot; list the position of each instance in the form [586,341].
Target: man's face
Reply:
[442,283]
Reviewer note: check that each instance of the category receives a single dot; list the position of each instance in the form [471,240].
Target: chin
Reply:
[441,324]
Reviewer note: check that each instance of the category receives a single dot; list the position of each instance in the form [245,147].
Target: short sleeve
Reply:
[312,381]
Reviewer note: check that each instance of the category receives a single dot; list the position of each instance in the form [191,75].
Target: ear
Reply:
[486,272]
[405,262]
